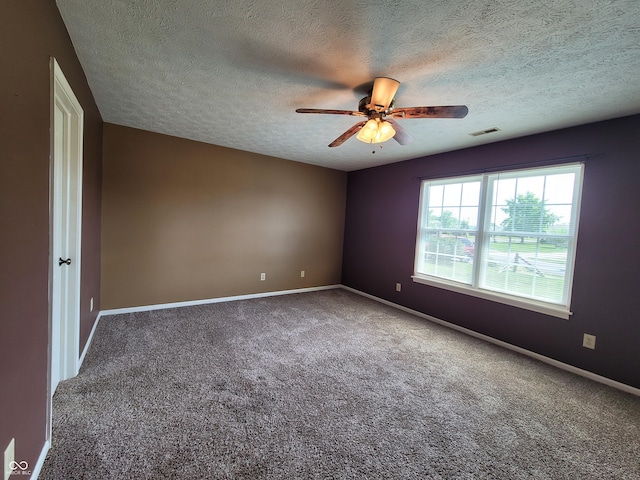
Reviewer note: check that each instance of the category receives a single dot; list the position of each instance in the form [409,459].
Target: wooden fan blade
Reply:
[402,136]
[453,111]
[331,112]
[348,134]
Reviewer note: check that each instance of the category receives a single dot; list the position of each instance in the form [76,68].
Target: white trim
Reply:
[161,306]
[62,95]
[35,471]
[89,340]
[520,302]
[563,366]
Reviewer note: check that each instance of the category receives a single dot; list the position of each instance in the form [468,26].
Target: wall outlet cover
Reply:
[589,341]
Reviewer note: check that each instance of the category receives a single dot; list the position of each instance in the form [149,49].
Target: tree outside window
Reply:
[527,214]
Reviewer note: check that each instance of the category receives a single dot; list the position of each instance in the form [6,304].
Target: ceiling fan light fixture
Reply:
[385,132]
[384,89]
[368,132]
[375,131]
[377,106]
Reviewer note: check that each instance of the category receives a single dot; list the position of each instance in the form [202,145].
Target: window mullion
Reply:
[485,196]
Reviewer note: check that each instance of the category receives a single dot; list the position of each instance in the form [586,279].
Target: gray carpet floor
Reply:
[327,385]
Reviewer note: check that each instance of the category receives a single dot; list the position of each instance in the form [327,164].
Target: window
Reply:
[507,236]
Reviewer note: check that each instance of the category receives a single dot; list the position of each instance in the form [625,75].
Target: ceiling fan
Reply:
[378,107]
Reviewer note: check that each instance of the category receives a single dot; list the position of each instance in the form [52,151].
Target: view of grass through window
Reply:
[512,233]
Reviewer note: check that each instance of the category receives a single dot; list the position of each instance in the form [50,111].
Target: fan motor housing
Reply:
[365,102]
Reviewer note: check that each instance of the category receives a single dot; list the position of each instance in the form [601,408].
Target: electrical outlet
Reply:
[301,273]
[589,341]
[9,458]
[91,305]
[263,277]
[398,287]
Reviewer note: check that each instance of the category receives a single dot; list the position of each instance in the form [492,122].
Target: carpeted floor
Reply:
[327,385]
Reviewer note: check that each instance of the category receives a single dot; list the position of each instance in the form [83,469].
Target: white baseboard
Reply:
[35,471]
[161,306]
[564,366]
[86,345]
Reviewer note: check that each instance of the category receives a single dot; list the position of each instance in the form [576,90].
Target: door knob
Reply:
[61,261]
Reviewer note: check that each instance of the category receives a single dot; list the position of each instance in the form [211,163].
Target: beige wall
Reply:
[184,220]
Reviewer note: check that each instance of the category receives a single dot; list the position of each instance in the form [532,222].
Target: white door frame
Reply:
[65,226]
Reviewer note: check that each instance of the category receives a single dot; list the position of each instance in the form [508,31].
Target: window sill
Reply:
[540,307]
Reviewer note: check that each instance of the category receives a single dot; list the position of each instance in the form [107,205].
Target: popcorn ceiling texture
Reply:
[232,73]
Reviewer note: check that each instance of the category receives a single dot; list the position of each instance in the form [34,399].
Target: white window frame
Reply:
[560,310]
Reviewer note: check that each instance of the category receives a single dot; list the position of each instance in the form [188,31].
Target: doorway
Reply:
[67,119]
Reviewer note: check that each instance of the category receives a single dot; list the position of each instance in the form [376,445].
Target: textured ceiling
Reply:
[233,72]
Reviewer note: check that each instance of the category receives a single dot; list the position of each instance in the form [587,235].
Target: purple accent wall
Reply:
[380,236]
[31,31]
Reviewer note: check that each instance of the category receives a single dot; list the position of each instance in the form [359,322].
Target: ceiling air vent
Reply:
[484,132]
